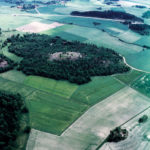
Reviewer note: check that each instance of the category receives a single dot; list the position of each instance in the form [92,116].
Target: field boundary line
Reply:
[34,88]
[137,78]
[92,107]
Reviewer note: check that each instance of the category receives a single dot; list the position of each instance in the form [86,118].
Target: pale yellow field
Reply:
[36,27]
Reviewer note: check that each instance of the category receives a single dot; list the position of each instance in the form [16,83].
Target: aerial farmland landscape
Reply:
[74,74]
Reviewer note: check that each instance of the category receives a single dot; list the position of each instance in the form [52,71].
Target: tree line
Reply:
[143,29]
[108,14]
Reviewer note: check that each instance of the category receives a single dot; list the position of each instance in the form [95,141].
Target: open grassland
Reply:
[94,125]
[60,88]
[142,84]
[129,77]
[97,90]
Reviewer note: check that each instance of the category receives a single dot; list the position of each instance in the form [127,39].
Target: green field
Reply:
[82,115]
[97,90]
[14,75]
[94,125]
[142,84]
[14,87]
[48,112]
[129,77]
[140,60]
[60,88]
[51,113]
[11,56]
[54,105]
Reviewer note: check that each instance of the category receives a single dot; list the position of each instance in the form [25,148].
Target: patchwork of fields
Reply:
[94,125]
[65,116]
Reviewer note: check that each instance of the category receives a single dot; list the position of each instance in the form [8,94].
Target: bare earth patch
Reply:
[3,63]
[64,56]
[36,27]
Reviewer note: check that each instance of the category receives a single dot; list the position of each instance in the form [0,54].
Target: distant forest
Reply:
[142,29]
[108,14]
[146,14]
[36,51]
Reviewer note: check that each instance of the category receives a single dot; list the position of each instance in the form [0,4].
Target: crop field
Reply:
[101,38]
[97,90]
[138,135]
[144,41]
[142,84]
[66,116]
[60,88]
[129,77]
[61,31]
[15,87]
[139,60]
[51,113]
[14,75]
[36,27]
[130,36]
[83,134]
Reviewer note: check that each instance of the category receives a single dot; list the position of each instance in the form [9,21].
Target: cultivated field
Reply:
[97,90]
[129,77]
[142,84]
[64,109]
[60,88]
[36,27]
[138,138]
[94,125]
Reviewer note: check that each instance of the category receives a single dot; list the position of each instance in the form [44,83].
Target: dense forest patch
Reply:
[117,135]
[146,14]
[6,64]
[142,29]
[12,109]
[108,14]
[86,59]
